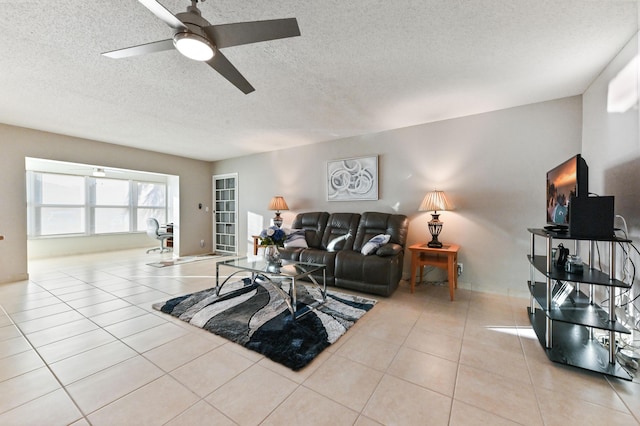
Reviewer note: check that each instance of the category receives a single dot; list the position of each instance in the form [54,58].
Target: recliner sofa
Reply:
[376,273]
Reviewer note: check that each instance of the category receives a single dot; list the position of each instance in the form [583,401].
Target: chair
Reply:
[154,231]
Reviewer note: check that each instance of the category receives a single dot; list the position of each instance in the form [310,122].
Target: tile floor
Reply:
[80,344]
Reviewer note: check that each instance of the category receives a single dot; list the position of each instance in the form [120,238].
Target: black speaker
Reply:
[591,217]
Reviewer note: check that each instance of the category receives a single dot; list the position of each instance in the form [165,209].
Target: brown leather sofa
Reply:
[377,273]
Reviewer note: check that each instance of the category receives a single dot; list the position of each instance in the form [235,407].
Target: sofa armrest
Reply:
[389,249]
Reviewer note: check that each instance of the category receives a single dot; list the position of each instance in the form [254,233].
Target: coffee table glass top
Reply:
[288,268]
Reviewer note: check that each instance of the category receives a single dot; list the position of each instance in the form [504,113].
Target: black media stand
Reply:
[566,331]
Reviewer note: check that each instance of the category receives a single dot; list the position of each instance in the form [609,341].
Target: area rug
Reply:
[185,259]
[256,317]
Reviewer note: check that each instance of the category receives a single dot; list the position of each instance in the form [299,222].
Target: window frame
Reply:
[35,205]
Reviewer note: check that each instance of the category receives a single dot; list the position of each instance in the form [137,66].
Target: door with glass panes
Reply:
[225,229]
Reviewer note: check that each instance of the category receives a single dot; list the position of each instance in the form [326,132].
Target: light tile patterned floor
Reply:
[80,344]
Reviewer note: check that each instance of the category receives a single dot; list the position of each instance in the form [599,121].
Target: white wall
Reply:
[42,248]
[611,146]
[16,143]
[492,167]
[611,143]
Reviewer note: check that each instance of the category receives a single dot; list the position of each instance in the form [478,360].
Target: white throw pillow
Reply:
[335,243]
[374,243]
[296,239]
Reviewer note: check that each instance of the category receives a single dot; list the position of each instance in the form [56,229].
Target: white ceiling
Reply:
[360,66]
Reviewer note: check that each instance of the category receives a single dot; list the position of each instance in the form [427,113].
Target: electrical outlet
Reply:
[460,268]
[202,243]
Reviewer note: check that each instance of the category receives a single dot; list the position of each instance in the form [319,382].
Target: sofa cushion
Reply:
[374,244]
[371,274]
[389,249]
[321,257]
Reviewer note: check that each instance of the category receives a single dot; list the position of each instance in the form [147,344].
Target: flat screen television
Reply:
[567,180]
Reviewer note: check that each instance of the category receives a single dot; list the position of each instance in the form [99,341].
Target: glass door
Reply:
[225,227]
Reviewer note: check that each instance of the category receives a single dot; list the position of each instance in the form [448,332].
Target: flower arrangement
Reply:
[272,236]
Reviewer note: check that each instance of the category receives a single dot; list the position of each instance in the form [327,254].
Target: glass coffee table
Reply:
[263,273]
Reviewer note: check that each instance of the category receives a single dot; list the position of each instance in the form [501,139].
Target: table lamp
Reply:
[278,203]
[434,201]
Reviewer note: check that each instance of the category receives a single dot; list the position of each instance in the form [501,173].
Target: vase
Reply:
[271,254]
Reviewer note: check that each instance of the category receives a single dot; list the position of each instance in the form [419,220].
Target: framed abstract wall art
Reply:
[352,179]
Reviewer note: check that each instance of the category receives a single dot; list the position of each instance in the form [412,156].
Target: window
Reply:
[83,205]
[151,202]
[112,210]
[60,204]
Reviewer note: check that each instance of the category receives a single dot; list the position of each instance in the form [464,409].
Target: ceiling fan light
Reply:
[193,46]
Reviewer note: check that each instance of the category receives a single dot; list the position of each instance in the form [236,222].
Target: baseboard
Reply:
[14,278]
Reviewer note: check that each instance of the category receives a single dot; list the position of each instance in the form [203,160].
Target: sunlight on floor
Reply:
[526,332]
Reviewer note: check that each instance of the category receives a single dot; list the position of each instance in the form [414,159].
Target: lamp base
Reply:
[434,243]
[277,220]
[435,227]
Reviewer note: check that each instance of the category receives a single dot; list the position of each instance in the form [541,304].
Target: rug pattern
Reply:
[256,317]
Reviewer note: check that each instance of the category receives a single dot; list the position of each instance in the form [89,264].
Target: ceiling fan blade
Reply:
[163,14]
[227,35]
[220,63]
[156,46]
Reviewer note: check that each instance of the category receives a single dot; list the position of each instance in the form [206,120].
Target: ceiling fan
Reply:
[197,39]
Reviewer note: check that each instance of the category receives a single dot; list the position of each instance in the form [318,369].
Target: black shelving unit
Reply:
[566,330]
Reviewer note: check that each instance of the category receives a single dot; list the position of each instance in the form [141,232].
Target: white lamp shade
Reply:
[434,201]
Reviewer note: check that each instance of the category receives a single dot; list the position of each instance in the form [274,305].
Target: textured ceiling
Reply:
[360,67]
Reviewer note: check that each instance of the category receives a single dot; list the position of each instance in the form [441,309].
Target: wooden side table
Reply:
[256,244]
[445,257]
